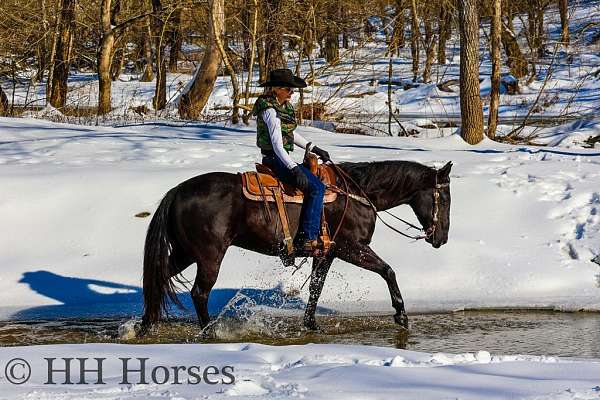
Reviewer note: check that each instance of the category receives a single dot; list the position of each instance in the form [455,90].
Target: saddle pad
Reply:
[251,188]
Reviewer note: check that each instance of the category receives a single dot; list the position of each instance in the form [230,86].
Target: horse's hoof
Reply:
[402,320]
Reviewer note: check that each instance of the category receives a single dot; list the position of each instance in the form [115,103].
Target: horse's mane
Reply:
[390,174]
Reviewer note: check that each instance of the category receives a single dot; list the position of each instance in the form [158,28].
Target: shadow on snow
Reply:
[88,298]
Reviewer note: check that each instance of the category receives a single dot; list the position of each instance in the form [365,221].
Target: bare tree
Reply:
[62,61]
[3,103]
[253,28]
[160,92]
[429,44]
[563,7]
[496,62]
[218,20]
[444,30]
[415,36]
[175,41]
[471,110]
[196,96]
[332,41]
[148,73]
[105,58]
[274,57]
[398,36]
[515,59]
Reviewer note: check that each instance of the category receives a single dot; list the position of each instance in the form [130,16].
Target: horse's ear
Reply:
[444,172]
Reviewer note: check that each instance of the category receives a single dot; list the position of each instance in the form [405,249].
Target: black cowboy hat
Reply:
[283,78]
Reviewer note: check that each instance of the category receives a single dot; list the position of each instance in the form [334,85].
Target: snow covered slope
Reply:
[524,220]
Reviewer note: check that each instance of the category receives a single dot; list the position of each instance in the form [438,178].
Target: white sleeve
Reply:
[300,141]
[273,123]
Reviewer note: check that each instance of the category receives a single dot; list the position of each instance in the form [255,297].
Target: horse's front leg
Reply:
[363,256]
[317,280]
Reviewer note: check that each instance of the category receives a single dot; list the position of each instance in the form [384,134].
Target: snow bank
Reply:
[310,371]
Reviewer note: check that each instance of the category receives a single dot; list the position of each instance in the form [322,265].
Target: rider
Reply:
[275,127]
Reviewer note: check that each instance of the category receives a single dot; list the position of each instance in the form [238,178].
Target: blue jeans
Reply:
[312,207]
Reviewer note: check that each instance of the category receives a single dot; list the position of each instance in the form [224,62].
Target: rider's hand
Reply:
[300,178]
[323,155]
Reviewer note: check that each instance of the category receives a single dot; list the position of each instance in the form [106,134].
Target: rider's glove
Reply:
[323,155]
[300,178]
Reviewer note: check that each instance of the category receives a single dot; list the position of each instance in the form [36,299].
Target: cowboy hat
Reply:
[283,78]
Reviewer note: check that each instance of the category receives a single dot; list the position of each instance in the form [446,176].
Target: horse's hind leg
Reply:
[206,276]
[363,256]
[317,280]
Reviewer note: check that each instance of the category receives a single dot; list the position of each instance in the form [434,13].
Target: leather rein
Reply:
[429,232]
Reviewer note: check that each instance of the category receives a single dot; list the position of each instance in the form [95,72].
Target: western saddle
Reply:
[262,185]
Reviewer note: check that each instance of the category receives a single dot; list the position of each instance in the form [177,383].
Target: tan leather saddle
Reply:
[258,185]
[262,185]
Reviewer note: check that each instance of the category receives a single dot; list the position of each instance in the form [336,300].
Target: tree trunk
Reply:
[254,27]
[274,57]
[398,40]
[541,33]
[430,49]
[105,58]
[52,60]
[117,66]
[563,6]
[58,95]
[195,98]
[160,93]
[148,73]
[415,36]
[4,110]
[176,41]
[262,61]
[531,26]
[332,46]
[44,44]
[471,110]
[218,23]
[444,32]
[496,63]
[515,59]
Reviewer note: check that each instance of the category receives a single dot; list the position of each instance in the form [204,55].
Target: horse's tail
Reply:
[158,286]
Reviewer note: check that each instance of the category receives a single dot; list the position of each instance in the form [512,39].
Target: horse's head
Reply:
[431,205]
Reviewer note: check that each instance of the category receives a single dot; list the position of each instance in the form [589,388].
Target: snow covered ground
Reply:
[524,221]
[326,372]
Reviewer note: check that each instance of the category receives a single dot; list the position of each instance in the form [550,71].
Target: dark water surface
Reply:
[508,332]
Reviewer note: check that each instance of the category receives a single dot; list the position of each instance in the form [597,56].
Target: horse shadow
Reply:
[93,298]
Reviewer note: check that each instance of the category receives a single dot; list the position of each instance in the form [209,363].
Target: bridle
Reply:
[428,233]
[436,207]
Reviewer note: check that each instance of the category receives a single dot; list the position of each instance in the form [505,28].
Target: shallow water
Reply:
[510,332]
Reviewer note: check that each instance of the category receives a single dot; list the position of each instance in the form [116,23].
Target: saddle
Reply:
[258,185]
[262,185]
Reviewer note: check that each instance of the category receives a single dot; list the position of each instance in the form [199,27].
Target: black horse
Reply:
[200,218]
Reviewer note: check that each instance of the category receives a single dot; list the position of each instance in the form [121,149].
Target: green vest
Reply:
[285,112]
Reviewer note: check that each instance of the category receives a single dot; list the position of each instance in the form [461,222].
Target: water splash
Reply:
[246,316]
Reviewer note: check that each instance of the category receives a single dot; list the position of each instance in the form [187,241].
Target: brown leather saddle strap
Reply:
[325,238]
[264,196]
[287,237]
